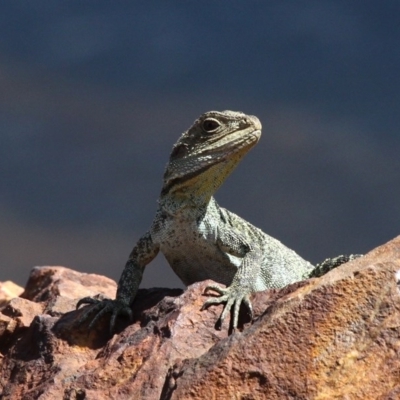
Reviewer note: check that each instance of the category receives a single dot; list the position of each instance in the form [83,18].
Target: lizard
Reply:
[201,240]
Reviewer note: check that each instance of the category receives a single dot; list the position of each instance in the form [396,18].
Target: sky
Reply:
[94,94]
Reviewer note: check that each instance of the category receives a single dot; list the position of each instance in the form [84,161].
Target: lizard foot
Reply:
[233,297]
[101,306]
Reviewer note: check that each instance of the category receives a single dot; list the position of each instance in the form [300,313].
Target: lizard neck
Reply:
[183,207]
[193,192]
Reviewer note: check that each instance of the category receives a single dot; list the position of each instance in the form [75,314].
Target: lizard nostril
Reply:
[256,122]
[252,120]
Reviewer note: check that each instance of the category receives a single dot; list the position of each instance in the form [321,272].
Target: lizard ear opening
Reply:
[210,125]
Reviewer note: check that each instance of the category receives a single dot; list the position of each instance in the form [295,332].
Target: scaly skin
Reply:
[199,239]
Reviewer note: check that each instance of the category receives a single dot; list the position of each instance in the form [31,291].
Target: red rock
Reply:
[333,337]
[22,311]
[336,338]
[48,282]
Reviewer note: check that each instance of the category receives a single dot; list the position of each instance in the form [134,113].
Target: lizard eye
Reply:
[210,125]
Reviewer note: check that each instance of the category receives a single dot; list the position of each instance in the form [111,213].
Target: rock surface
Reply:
[9,290]
[335,337]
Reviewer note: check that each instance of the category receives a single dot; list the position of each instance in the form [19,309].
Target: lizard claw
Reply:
[101,306]
[233,297]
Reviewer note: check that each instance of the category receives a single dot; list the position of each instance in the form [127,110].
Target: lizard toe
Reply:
[99,308]
[214,301]
[216,288]
[247,302]
[230,301]
[233,297]
[86,300]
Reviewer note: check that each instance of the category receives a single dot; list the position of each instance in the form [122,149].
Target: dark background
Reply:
[93,94]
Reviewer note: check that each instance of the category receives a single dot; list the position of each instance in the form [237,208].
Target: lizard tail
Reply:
[331,263]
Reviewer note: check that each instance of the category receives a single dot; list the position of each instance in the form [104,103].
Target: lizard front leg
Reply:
[244,282]
[128,285]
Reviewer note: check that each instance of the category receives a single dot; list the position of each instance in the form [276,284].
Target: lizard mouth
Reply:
[217,162]
[237,142]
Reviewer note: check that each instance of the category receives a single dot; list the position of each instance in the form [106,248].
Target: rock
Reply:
[9,290]
[333,337]
[336,338]
[22,311]
[49,282]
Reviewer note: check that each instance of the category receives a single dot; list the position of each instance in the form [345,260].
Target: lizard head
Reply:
[207,153]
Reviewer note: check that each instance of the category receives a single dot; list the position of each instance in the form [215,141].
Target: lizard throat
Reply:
[196,188]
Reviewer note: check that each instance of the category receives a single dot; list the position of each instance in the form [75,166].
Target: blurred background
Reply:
[93,94]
